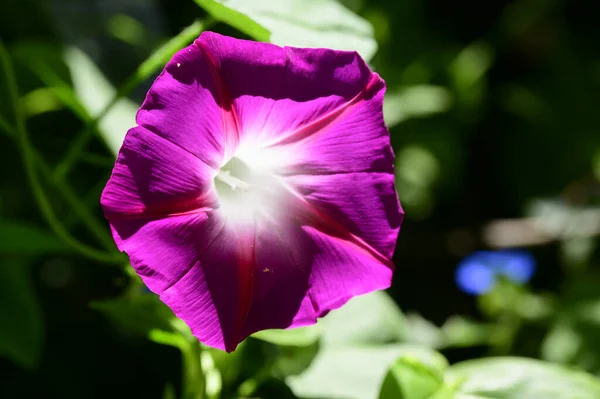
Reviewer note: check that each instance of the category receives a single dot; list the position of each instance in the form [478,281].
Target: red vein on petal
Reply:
[154,214]
[321,123]
[246,267]
[327,225]
[230,120]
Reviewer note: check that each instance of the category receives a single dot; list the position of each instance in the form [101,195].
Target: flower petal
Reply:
[340,270]
[276,91]
[281,279]
[152,177]
[357,141]
[186,106]
[163,250]
[199,268]
[365,204]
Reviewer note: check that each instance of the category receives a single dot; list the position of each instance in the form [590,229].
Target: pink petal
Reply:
[277,90]
[281,278]
[355,140]
[185,106]
[365,204]
[342,270]
[152,177]
[196,264]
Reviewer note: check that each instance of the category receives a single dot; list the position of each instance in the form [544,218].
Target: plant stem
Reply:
[29,160]
[146,69]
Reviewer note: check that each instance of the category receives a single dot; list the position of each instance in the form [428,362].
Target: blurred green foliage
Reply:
[491,107]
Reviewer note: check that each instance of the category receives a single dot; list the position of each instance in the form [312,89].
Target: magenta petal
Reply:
[215,296]
[186,107]
[281,279]
[193,262]
[154,177]
[365,204]
[277,90]
[356,140]
[342,270]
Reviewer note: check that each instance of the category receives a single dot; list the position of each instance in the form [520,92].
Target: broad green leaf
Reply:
[353,372]
[19,238]
[299,23]
[21,330]
[95,92]
[414,377]
[365,319]
[521,378]
[422,331]
[139,314]
[292,360]
[294,349]
[303,336]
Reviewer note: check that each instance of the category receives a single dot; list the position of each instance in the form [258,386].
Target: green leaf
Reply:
[95,92]
[292,360]
[21,330]
[299,23]
[303,336]
[19,238]
[461,331]
[365,319]
[294,349]
[140,315]
[353,372]
[519,378]
[414,377]
[422,331]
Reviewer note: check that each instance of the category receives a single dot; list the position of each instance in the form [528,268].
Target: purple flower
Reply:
[257,190]
[477,273]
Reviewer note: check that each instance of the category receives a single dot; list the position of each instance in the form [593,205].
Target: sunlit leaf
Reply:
[300,23]
[354,372]
[95,92]
[517,378]
[365,319]
[295,350]
[21,329]
[422,331]
[303,336]
[412,377]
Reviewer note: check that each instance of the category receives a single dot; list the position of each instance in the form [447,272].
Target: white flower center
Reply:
[245,193]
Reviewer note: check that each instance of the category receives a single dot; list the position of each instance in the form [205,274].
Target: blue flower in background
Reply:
[477,273]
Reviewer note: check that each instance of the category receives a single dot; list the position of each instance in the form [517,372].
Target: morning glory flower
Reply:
[257,189]
[477,273]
